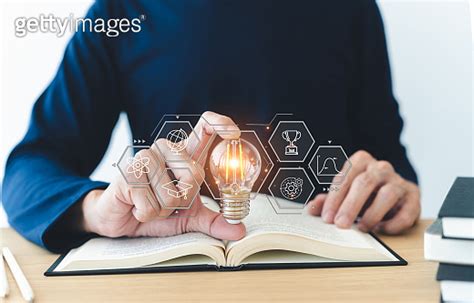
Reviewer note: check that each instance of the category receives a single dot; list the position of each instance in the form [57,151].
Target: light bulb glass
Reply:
[235,166]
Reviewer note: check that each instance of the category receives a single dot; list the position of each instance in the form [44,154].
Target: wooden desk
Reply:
[412,283]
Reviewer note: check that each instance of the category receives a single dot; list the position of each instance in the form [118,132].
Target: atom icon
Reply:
[138,166]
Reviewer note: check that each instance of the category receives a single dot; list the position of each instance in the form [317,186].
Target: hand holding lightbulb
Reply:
[118,211]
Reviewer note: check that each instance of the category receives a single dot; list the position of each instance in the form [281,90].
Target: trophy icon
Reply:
[291,136]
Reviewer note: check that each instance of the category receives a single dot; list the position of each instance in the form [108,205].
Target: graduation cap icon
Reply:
[177,189]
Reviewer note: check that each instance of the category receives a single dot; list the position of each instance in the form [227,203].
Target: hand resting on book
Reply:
[374,191]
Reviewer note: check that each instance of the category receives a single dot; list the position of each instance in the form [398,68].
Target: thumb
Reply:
[214,224]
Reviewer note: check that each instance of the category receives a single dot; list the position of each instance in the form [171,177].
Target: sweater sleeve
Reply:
[375,119]
[69,131]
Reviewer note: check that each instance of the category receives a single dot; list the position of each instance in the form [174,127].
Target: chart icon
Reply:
[330,164]
[327,166]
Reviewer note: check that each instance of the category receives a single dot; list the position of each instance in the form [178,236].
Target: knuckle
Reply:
[215,119]
[140,217]
[143,153]
[362,156]
[161,143]
[364,180]
[388,193]
[384,167]
[405,220]
[207,114]
[143,215]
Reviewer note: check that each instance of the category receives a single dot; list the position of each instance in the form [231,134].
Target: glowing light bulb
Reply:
[235,166]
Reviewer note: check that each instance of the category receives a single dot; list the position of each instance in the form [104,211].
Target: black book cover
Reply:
[459,203]
[452,272]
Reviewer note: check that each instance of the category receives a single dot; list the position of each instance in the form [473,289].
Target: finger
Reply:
[144,210]
[362,187]
[138,170]
[209,124]
[161,201]
[170,195]
[182,160]
[200,219]
[385,199]
[359,161]
[315,206]
[406,216]
[186,175]
[214,224]
[141,166]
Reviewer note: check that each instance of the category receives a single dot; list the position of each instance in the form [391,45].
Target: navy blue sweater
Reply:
[325,61]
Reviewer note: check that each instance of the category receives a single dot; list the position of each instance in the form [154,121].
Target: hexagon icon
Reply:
[267,164]
[138,169]
[151,199]
[290,190]
[330,164]
[177,188]
[177,135]
[291,141]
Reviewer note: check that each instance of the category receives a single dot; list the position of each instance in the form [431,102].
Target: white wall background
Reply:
[430,47]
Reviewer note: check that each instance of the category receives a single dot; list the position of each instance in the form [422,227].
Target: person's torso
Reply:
[246,59]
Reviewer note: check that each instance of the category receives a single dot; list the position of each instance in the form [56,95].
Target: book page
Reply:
[263,219]
[302,233]
[126,248]
[106,248]
[284,256]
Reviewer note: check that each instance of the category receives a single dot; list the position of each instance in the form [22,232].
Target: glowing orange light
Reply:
[227,163]
[234,163]
[241,162]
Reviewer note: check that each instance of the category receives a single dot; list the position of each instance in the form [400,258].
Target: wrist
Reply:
[89,213]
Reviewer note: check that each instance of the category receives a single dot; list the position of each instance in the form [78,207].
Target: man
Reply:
[324,61]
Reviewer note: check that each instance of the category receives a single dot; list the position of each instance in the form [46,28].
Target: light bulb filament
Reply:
[241,162]
[234,168]
[227,164]
[234,162]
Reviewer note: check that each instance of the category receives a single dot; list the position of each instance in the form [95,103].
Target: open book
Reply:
[272,241]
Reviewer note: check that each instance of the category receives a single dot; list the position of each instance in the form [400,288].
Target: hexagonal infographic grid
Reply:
[291,141]
[177,135]
[330,164]
[267,164]
[290,190]
[133,167]
[171,186]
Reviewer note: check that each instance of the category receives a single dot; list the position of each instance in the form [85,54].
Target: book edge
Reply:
[205,267]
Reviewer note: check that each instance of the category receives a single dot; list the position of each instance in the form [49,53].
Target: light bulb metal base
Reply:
[235,207]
